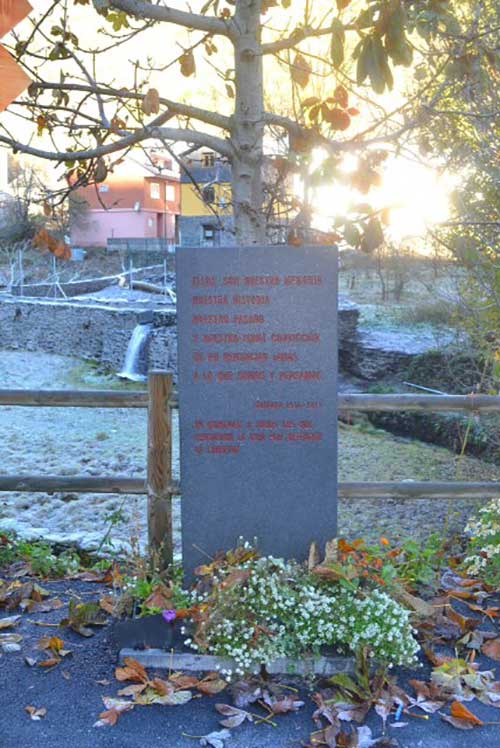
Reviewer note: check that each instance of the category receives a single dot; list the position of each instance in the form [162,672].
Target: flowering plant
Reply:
[263,608]
[483,552]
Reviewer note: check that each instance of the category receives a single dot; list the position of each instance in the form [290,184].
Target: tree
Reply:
[18,224]
[351,47]
[463,128]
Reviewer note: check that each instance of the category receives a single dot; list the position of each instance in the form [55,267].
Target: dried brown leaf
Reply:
[36,713]
[133,671]
[491,649]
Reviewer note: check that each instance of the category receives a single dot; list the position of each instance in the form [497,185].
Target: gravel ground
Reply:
[73,441]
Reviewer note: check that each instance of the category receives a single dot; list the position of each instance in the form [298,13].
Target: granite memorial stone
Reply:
[257,336]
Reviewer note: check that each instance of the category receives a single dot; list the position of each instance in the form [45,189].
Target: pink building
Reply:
[135,202]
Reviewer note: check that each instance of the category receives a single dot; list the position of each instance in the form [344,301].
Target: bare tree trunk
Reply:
[248,129]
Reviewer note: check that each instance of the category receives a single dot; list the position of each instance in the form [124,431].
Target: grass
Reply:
[90,375]
[374,455]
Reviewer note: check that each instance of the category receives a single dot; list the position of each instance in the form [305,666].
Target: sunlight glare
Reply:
[417,196]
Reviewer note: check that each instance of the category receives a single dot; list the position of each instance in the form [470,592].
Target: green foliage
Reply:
[255,610]
[39,555]
[483,552]
[457,373]
[436,313]
[410,564]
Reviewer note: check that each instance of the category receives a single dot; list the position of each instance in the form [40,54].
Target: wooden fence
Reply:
[160,399]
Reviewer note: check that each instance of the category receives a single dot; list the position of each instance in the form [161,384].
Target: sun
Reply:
[417,197]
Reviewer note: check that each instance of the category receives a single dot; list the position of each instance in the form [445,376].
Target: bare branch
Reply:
[175,107]
[196,138]
[297,36]
[153,130]
[143,10]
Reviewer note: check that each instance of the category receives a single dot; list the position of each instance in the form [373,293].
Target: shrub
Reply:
[437,313]
[265,608]
[483,552]
[40,555]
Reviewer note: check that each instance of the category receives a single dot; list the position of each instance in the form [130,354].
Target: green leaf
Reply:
[352,234]
[362,52]
[337,43]
[373,236]
[379,71]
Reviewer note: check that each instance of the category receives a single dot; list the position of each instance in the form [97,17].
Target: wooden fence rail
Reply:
[140,399]
[121,484]
[160,399]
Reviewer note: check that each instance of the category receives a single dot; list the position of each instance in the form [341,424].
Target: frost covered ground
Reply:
[73,441]
[68,441]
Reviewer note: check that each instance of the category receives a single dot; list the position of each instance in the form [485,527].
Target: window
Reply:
[155,190]
[208,159]
[170,193]
[208,233]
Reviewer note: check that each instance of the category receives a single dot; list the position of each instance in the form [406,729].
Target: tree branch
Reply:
[294,128]
[175,107]
[142,9]
[297,36]
[196,138]
[153,130]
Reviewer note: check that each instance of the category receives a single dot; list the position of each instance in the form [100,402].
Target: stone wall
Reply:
[100,332]
[191,231]
[88,331]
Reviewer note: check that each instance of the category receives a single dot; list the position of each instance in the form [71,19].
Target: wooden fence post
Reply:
[160,535]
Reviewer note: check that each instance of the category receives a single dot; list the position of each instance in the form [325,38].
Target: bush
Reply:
[437,313]
[453,373]
[483,552]
[264,608]
[39,555]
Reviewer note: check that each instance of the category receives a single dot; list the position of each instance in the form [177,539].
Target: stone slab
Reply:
[257,330]
[163,660]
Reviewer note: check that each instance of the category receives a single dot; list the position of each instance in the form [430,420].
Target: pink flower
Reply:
[169,616]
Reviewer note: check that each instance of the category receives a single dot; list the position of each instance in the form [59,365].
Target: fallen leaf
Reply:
[234,716]
[246,692]
[132,690]
[35,713]
[326,738]
[9,622]
[114,707]
[51,662]
[45,606]
[459,711]
[175,698]
[284,705]
[215,739]
[183,682]
[9,647]
[54,643]
[95,576]
[491,649]
[83,615]
[162,686]
[211,684]
[430,698]
[107,604]
[133,671]
[461,717]
[161,597]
